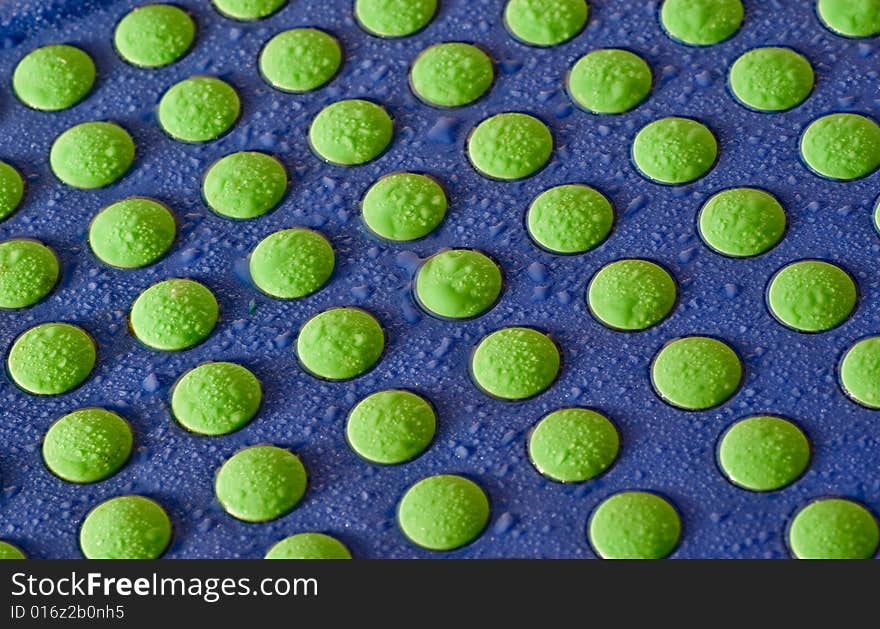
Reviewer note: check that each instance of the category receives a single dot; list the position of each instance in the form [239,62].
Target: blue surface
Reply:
[665,450]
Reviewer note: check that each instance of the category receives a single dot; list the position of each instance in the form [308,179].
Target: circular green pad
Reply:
[771,79]
[543,23]
[309,546]
[154,35]
[404,206]
[631,294]
[510,146]
[742,222]
[851,18]
[261,483]
[452,75]
[842,146]
[52,358]
[199,109]
[443,512]
[300,60]
[674,150]
[87,445]
[174,315]
[11,190]
[216,398]
[833,529]
[570,219]
[515,363]
[609,81]
[292,263]
[8,551]
[132,233]
[572,445]
[812,296]
[391,427]
[634,525]
[458,284]
[245,185]
[248,9]
[394,18]
[351,132]
[764,453]
[701,22]
[53,77]
[860,372]
[28,271]
[125,527]
[92,154]
[340,343]
[696,373]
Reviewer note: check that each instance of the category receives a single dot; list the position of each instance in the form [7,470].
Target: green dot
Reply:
[92,154]
[340,343]
[11,190]
[261,483]
[28,271]
[245,185]
[771,79]
[52,358]
[452,75]
[631,295]
[87,445]
[125,527]
[351,132]
[300,60]
[812,296]
[248,9]
[8,551]
[701,22]
[833,528]
[510,146]
[394,18]
[292,263]
[696,373]
[851,18]
[842,146]
[216,398]
[174,315]
[391,427]
[573,445]
[634,525]
[458,284]
[674,150]
[404,206]
[132,233]
[199,109]
[570,219]
[309,546]
[515,363]
[154,35]
[609,81]
[860,372]
[443,512]
[54,77]
[543,23]
[742,222]
[764,453]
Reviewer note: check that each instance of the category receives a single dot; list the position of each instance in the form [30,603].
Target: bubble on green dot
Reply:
[696,373]
[292,263]
[309,546]
[125,527]
[833,528]
[340,343]
[701,22]
[543,23]
[631,294]
[443,512]
[245,185]
[8,551]
[132,233]
[742,222]
[248,9]
[92,154]
[300,60]
[634,525]
[812,296]
[394,18]
[87,445]
[609,81]
[28,272]
[842,146]
[174,315]
[53,77]
[404,206]
[851,18]
[261,483]
[391,427]
[11,190]
[515,363]
[771,79]
[199,109]
[452,74]
[51,358]
[216,398]
[154,35]
[570,219]
[860,372]
[573,445]
[674,150]
[510,146]
[458,284]
[351,132]
[764,453]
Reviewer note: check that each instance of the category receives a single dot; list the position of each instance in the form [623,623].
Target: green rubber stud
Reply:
[351,132]
[53,77]
[261,483]
[458,284]
[309,546]
[851,18]
[443,512]
[510,146]
[833,528]
[28,272]
[764,453]
[404,206]
[631,295]
[860,372]
[216,398]
[394,18]
[340,343]
[8,551]
[701,22]
[391,427]
[573,445]
[452,74]
[92,155]
[11,190]
[132,233]
[771,79]
[570,219]
[199,109]
[610,81]
[674,150]
[300,60]
[52,358]
[125,527]
[543,23]
[742,222]
[842,146]
[634,525]
[245,185]
[515,363]
[812,296]
[696,373]
[154,35]
[87,445]
[292,263]
[246,10]
[174,315]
